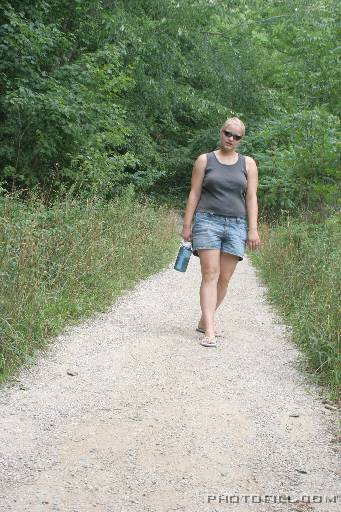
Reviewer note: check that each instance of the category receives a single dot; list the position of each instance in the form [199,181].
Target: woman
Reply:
[223,201]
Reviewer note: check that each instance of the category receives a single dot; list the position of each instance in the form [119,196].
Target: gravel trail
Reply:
[128,413]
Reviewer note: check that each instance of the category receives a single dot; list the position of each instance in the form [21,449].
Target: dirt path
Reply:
[151,421]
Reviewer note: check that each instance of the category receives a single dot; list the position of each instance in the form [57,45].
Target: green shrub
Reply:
[298,161]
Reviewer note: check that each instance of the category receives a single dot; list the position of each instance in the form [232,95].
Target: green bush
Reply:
[298,160]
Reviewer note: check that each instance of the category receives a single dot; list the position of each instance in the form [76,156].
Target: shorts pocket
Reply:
[201,226]
[244,233]
[242,222]
[239,231]
[203,215]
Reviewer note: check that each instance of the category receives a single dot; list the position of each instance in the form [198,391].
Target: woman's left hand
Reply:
[253,239]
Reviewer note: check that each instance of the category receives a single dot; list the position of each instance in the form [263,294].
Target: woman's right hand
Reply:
[186,233]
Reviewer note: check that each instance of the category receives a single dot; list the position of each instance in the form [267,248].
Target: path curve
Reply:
[128,413]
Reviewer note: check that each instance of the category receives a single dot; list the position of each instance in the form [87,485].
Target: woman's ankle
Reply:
[209,334]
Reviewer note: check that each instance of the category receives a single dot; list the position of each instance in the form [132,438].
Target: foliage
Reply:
[96,95]
[299,161]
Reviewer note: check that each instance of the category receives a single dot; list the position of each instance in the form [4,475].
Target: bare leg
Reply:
[210,268]
[228,263]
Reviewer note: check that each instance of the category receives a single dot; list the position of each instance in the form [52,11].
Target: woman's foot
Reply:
[208,341]
[201,328]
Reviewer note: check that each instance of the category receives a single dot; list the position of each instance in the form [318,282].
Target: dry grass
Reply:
[62,262]
[300,263]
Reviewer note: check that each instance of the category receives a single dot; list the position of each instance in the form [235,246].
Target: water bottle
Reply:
[183,257]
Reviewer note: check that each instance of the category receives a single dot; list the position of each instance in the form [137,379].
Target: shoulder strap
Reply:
[208,156]
[244,165]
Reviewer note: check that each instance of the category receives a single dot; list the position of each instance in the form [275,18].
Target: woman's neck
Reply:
[227,155]
[226,151]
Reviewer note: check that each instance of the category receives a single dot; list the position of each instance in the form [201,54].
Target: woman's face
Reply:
[227,141]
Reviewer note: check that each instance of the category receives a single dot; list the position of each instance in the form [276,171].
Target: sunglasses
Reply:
[234,135]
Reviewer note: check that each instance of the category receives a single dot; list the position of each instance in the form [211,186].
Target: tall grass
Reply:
[300,262]
[62,262]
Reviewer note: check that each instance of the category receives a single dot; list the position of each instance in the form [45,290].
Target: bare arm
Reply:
[251,203]
[196,185]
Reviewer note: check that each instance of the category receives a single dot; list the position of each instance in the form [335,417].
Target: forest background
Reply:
[105,105]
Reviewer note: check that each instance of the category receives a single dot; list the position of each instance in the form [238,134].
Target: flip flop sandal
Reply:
[217,334]
[208,342]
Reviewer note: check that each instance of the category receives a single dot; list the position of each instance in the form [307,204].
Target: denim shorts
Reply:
[211,231]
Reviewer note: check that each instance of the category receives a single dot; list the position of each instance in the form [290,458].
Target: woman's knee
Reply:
[210,274]
[228,263]
[210,264]
[224,280]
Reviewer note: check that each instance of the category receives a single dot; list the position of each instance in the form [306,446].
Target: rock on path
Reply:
[128,413]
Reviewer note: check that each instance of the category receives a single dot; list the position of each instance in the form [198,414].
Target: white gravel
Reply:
[152,421]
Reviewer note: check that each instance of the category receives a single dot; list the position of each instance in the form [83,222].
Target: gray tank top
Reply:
[224,187]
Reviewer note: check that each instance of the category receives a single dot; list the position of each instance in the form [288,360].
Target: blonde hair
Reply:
[235,120]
